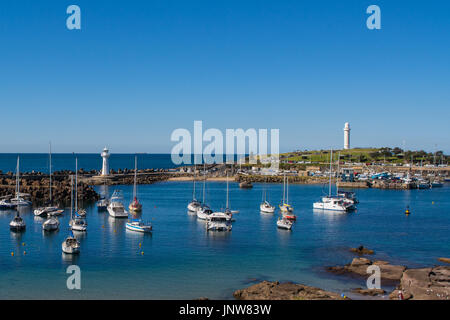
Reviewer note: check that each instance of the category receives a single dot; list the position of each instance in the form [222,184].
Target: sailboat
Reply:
[18,201]
[204,211]
[71,245]
[329,202]
[17,224]
[227,213]
[53,210]
[265,206]
[286,209]
[135,206]
[78,221]
[194,205]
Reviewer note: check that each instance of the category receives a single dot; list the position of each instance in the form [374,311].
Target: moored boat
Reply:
[139,226]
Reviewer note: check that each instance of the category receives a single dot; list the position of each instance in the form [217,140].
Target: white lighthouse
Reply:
[105,155]
[346,136]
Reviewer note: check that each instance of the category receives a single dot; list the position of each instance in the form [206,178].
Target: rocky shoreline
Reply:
[432,283]
[37,188]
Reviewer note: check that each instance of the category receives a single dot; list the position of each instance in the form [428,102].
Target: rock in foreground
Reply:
[267,290]
[359,266]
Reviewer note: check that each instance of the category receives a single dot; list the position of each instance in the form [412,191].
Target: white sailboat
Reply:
[135,206]
[194,205]
[17,224]
[138,225]
[265,206]
[51,224]
[286,209]
[18,200]
[77,221]
[71,245]
[329,202]
[204,211]
[53,210]
[227,212]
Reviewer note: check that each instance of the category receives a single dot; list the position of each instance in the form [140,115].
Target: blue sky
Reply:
[137,70]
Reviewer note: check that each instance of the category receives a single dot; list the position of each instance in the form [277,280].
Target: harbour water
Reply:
[181,260]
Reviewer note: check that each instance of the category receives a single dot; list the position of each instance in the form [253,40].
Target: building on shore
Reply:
[347,136]
[105,155]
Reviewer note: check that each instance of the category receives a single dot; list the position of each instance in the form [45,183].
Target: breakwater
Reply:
[36,187]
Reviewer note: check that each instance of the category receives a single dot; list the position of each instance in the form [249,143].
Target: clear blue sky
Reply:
[140,69]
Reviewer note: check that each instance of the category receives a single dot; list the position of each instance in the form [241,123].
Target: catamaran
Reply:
[135,206]
[218,221]
[265,206]
[116,208]
[287,211]
[53,210]
[329,202]
[194,205]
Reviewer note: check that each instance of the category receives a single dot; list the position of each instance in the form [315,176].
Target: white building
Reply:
[347,136]
[105,155]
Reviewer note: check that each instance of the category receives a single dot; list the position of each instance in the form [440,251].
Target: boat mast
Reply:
[338,170]
[135,177]
[71,196]
[76,184]
[287,190]
[18,177]
[331,161]
[204,182]
[50,168]
[227,193]
[193,191]
[284,187]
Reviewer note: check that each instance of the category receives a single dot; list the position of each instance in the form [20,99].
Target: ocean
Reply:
[180,260]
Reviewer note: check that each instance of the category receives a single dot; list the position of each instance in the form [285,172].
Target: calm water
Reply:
[181,260]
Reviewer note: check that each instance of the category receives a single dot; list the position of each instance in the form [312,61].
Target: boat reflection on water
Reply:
[69,259]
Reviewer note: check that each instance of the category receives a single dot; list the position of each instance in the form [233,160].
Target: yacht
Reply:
[329,202]
[287,211]
[6,204]
[265,206]
[102,204]
[139,226]
[135,206]
[17,224]
[436,184]
[218,221]
[227,212]
[51,224]
[422,184]
[283,223]
[78,220]
[116,208]
[71,245]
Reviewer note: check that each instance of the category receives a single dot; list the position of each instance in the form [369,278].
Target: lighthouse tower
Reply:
[346,136]
[105,155]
